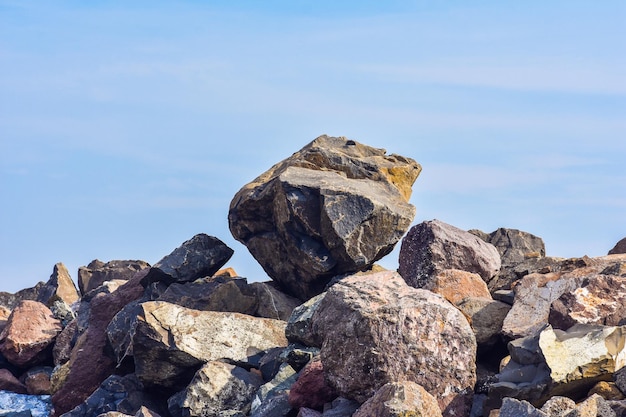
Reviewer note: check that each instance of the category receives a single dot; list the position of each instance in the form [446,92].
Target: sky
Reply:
[126,127]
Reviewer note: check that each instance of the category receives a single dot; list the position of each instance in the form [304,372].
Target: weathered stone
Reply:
[400,399]
[486,318]
[433,246]
[213,294]
[123,394]
[620,247]
[340,407]
[64,343]
[334,207]
[298,328]
[97,272]
[217,389]
[201,256]
[515,408]
[308,412]
[29,333]
[171,342]
[376,329]
[142,412]
[456,285]
[600,300]
[120,331]
[311,389]
[273,397]
[515,247]
[533,296]
[607,390]
[273,303]
[35,405]
[89,362]
[60,286]
[9,300]
[37,380]
[594,406]
[558,406]
[582,356]
[8,382]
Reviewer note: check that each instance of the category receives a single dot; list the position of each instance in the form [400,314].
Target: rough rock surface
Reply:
[217,389]
[620,247]
[171,341]
[59,287]
[30,330]
[400,399]
[334,207]
[311,389]
[376,329]
[486,318]
[97,272]
[456,285]
[8,382]
[433,246]
[201,256]
[299,329]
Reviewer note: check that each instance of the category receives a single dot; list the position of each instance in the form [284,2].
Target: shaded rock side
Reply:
[97,272]
[376,329]
[433,246]
[620,247]
[199,257]
[334,207]
[59,287]
[171,342]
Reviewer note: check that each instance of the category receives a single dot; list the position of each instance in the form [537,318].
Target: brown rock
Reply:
[30,330]
[37,381]
[607,390]
[311,390]
[400,399]
[334,207]
[60,286]
[89,362]
[433,246]
[376,329]
[273,303]
[456,285]
[620,247]
[8,382]
[486,318]
[97,272]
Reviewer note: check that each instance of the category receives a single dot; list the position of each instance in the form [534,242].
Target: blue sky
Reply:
[126,127]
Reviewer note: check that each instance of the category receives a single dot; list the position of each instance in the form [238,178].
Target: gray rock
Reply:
[97,272]
[216,389]
[201,256]
[37,405]
[486,318]
[298,328]
[272,395]
[515,408]
[334,207]
[340,407]
[171,342]
[433,246]
[271,302]
[376,329]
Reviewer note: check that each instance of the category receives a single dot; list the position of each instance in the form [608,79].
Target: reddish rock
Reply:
[399,399]
[29,331]
[89,363]
[433,246]
[60,286]
[376,329]
[311,390]
[8,382]
[456,285]
[37,381]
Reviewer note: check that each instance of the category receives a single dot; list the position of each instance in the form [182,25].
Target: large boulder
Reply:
[29,333]
[400,399]
[376,329]
[201,256]
[433,246]
[334,207]
[97,272]
[171,342]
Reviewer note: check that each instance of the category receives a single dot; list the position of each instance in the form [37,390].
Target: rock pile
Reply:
[472,323]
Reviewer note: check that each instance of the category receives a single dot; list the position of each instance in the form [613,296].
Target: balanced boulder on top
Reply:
[334,207]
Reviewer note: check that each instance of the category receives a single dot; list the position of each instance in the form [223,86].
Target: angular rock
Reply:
[64,343]
[201,256]
[60,287]
[308,412]
[376,329]
[400,399]
[37,380]
[311,390]
[582,356]
[9,301]
[334,207]
[90,363]
[171,342]
[272,399]
[216,389]
[37,405]
[340,407]
[433,246]
[120,332]
[8,382]
[607,390]
[299,328]
[558,406]
[456,285]
[486,318]
[97,272]
[515,247]
[594,406]
[273,303]
[619,248]
[515,408]
[29,333]
[600,300]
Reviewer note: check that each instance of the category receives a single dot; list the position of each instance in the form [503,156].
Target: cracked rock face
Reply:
[334,207]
